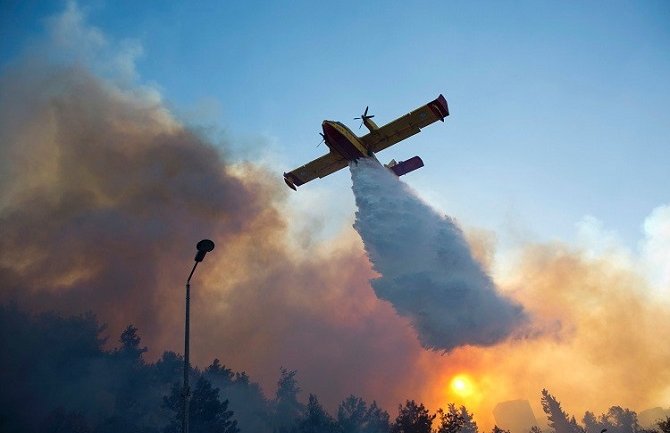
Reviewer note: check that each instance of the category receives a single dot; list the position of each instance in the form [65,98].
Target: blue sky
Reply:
[559,109]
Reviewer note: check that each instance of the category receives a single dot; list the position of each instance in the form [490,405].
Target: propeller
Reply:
[323,139]
[363,117]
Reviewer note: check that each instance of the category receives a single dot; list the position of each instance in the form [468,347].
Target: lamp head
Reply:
[204,246]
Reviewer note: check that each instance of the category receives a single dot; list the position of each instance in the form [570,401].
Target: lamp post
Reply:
[203,247]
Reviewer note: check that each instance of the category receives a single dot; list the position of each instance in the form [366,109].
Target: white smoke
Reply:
[427,270]
[656,251]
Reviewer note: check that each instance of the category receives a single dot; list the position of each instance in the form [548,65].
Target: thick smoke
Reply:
[103,195]
[103,192]
[427,270]
[104,199]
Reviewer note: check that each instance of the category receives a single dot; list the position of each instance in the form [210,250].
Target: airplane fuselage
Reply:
[341,140]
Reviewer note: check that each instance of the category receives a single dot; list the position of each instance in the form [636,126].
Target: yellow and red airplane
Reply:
[345,146]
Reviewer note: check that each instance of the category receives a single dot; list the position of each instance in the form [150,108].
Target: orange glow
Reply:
[462,385]
[465,389]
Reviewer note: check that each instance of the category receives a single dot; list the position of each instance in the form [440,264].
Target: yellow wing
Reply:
[320,167]
[407,125]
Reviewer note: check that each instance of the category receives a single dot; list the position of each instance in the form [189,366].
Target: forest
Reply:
[58,376]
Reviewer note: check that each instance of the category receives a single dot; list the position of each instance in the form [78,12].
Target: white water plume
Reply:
[427,270]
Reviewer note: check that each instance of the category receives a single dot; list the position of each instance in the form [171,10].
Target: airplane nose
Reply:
[327,127]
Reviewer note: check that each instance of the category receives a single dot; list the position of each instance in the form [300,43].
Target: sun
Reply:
[463,388]
[462,385]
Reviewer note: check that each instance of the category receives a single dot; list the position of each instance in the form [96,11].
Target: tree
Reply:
[287,408]
[377,420]
[168,368]
[451,421]
[132,385]
[558,419]
[469,424]
[252,411]
[412,418]
[130,344]
[456,420]
[74,385]
[497,429]
[353,416]
[591,423]
[616,420]
[620,420]
[316,419]
[207,414]
[224,375]
[664,425]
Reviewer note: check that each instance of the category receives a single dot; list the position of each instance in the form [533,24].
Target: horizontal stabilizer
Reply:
[404,167]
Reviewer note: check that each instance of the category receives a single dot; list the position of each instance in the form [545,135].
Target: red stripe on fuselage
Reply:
[340,143]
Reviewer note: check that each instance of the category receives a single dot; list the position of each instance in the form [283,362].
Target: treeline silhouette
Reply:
[615,420]
[56,376]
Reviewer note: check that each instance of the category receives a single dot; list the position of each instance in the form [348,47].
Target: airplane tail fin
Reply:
[404,167]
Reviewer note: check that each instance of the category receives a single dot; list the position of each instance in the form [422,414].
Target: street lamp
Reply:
[203,247]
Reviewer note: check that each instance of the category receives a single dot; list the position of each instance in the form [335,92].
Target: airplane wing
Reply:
[407,125]
[320,167]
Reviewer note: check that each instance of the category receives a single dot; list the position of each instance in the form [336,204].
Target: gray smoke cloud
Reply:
[102,194]
[427,270]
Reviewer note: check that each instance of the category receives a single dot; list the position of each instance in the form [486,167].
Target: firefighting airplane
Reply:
[345,146]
